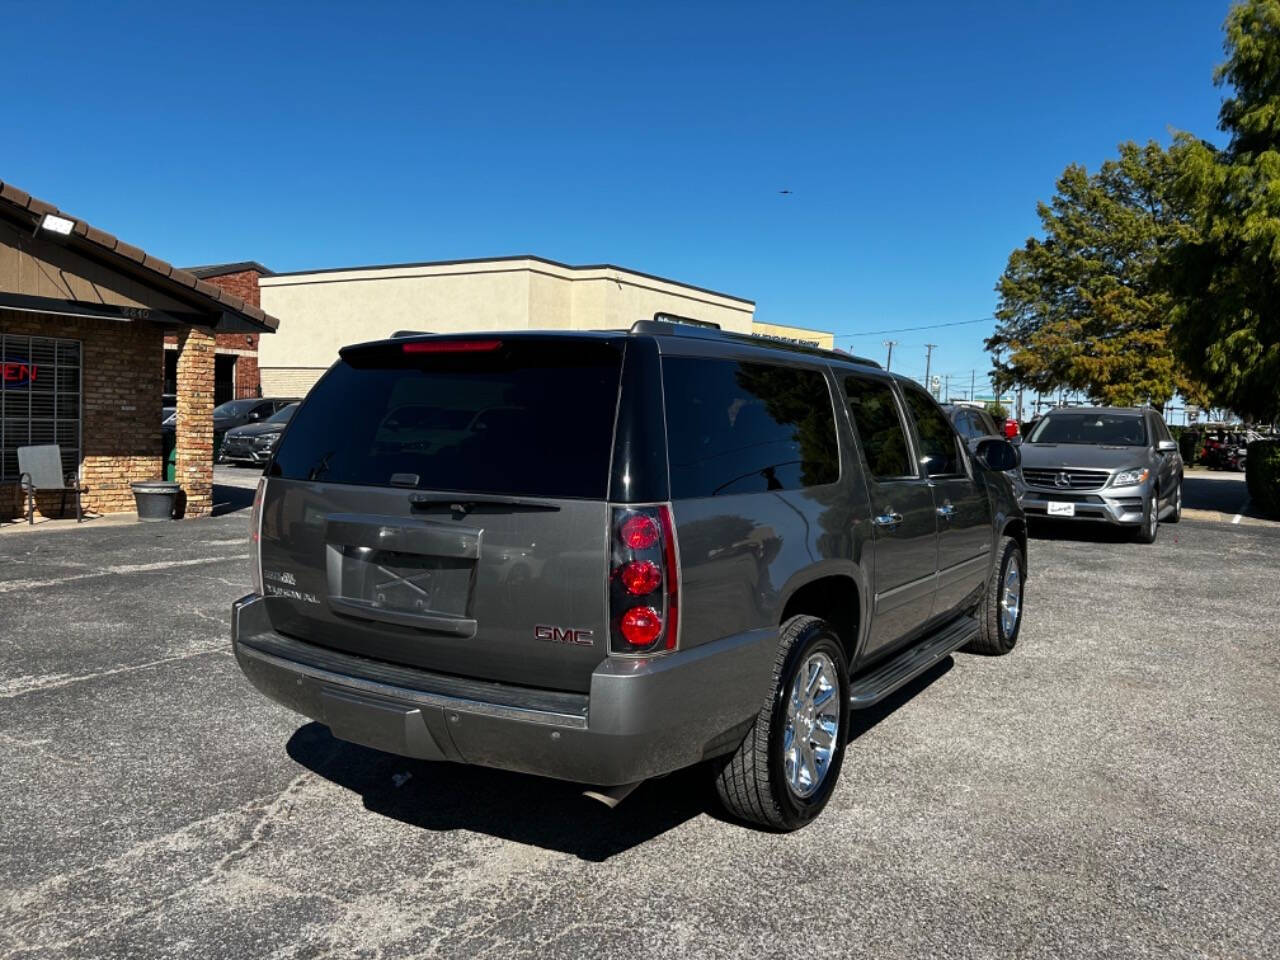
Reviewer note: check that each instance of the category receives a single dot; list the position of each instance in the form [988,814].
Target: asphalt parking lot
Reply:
[1108,790]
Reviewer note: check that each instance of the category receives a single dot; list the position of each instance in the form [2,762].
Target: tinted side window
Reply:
[747,427]
[938,444]
[963,421]
[875,415]
[987,425]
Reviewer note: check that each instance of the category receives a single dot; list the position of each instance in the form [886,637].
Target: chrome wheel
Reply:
[813,725]
[1011,597]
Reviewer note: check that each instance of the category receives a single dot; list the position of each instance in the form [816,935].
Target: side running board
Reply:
[869,689]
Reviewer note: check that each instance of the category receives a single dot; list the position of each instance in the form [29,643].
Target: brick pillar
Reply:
[195,419]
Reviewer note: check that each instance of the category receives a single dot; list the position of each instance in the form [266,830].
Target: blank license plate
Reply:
[1062,509]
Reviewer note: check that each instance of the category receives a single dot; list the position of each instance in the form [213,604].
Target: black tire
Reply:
[1176,515]
[752,782]
[1149,529]
[994,639]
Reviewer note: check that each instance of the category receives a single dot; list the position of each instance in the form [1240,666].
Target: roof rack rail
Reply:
[661,317]
[659,326]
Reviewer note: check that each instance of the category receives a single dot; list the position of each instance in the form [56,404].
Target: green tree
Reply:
[1082,308]
[1225,276]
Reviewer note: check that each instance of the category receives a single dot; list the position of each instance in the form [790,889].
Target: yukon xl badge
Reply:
[583,638]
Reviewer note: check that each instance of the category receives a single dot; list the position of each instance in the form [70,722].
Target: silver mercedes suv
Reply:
[1118,465]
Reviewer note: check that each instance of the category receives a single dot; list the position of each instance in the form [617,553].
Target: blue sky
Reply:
[916,138]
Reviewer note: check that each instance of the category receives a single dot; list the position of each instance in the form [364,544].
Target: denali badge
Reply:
[584,638]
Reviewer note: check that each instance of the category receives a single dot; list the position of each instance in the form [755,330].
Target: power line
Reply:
[931,326]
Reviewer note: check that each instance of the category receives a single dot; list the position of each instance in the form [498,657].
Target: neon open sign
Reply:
[17,373]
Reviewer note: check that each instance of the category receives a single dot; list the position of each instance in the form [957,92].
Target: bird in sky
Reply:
[785,193]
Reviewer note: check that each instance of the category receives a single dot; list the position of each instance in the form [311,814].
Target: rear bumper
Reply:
[641,718]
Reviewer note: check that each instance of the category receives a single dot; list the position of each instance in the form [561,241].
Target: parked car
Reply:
[975,424]
[1109,464]
[254,442]
[607,556]
[972,423]
[237,413]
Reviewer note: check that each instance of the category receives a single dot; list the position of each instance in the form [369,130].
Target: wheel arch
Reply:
[1016,527]
[837,598]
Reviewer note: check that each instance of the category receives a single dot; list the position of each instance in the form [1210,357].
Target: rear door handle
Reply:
[946,510]
[889,519]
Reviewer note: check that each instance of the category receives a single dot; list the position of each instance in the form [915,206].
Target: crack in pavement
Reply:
[52,891]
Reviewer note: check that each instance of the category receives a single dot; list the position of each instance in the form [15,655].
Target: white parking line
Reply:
[1236,518]
[12,585]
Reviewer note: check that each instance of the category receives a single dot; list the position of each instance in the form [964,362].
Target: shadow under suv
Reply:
[1110,464]
[606,556]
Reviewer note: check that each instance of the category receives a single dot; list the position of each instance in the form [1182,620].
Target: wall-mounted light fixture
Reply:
[61,226]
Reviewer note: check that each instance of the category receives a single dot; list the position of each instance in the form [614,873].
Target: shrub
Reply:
[1262,475]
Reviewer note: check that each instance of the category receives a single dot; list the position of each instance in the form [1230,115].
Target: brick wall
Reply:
[245,286]
[194,467]
[122,367]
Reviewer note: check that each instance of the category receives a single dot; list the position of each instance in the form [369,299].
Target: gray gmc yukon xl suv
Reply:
[605,556]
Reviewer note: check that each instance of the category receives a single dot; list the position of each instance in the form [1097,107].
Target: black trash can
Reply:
[156,499]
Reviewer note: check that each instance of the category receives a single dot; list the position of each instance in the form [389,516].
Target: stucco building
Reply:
[327,309]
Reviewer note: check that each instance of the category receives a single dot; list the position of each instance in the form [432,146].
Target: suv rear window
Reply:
[533,417]
[747,427]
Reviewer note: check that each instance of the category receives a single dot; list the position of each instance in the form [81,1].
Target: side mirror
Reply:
[1166,446]
[254,415]
[998,454]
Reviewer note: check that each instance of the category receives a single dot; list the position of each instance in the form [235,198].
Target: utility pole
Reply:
[888,364]
[973,381]
[928,359]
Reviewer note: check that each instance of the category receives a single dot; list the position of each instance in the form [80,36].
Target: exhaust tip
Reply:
[611,796]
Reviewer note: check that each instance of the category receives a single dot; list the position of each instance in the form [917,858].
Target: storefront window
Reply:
[39,399]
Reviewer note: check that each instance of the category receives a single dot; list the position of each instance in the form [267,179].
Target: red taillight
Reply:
[639,532]
[640,577]
[640,626]
[644,563]
[451,346]
[1011,427]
